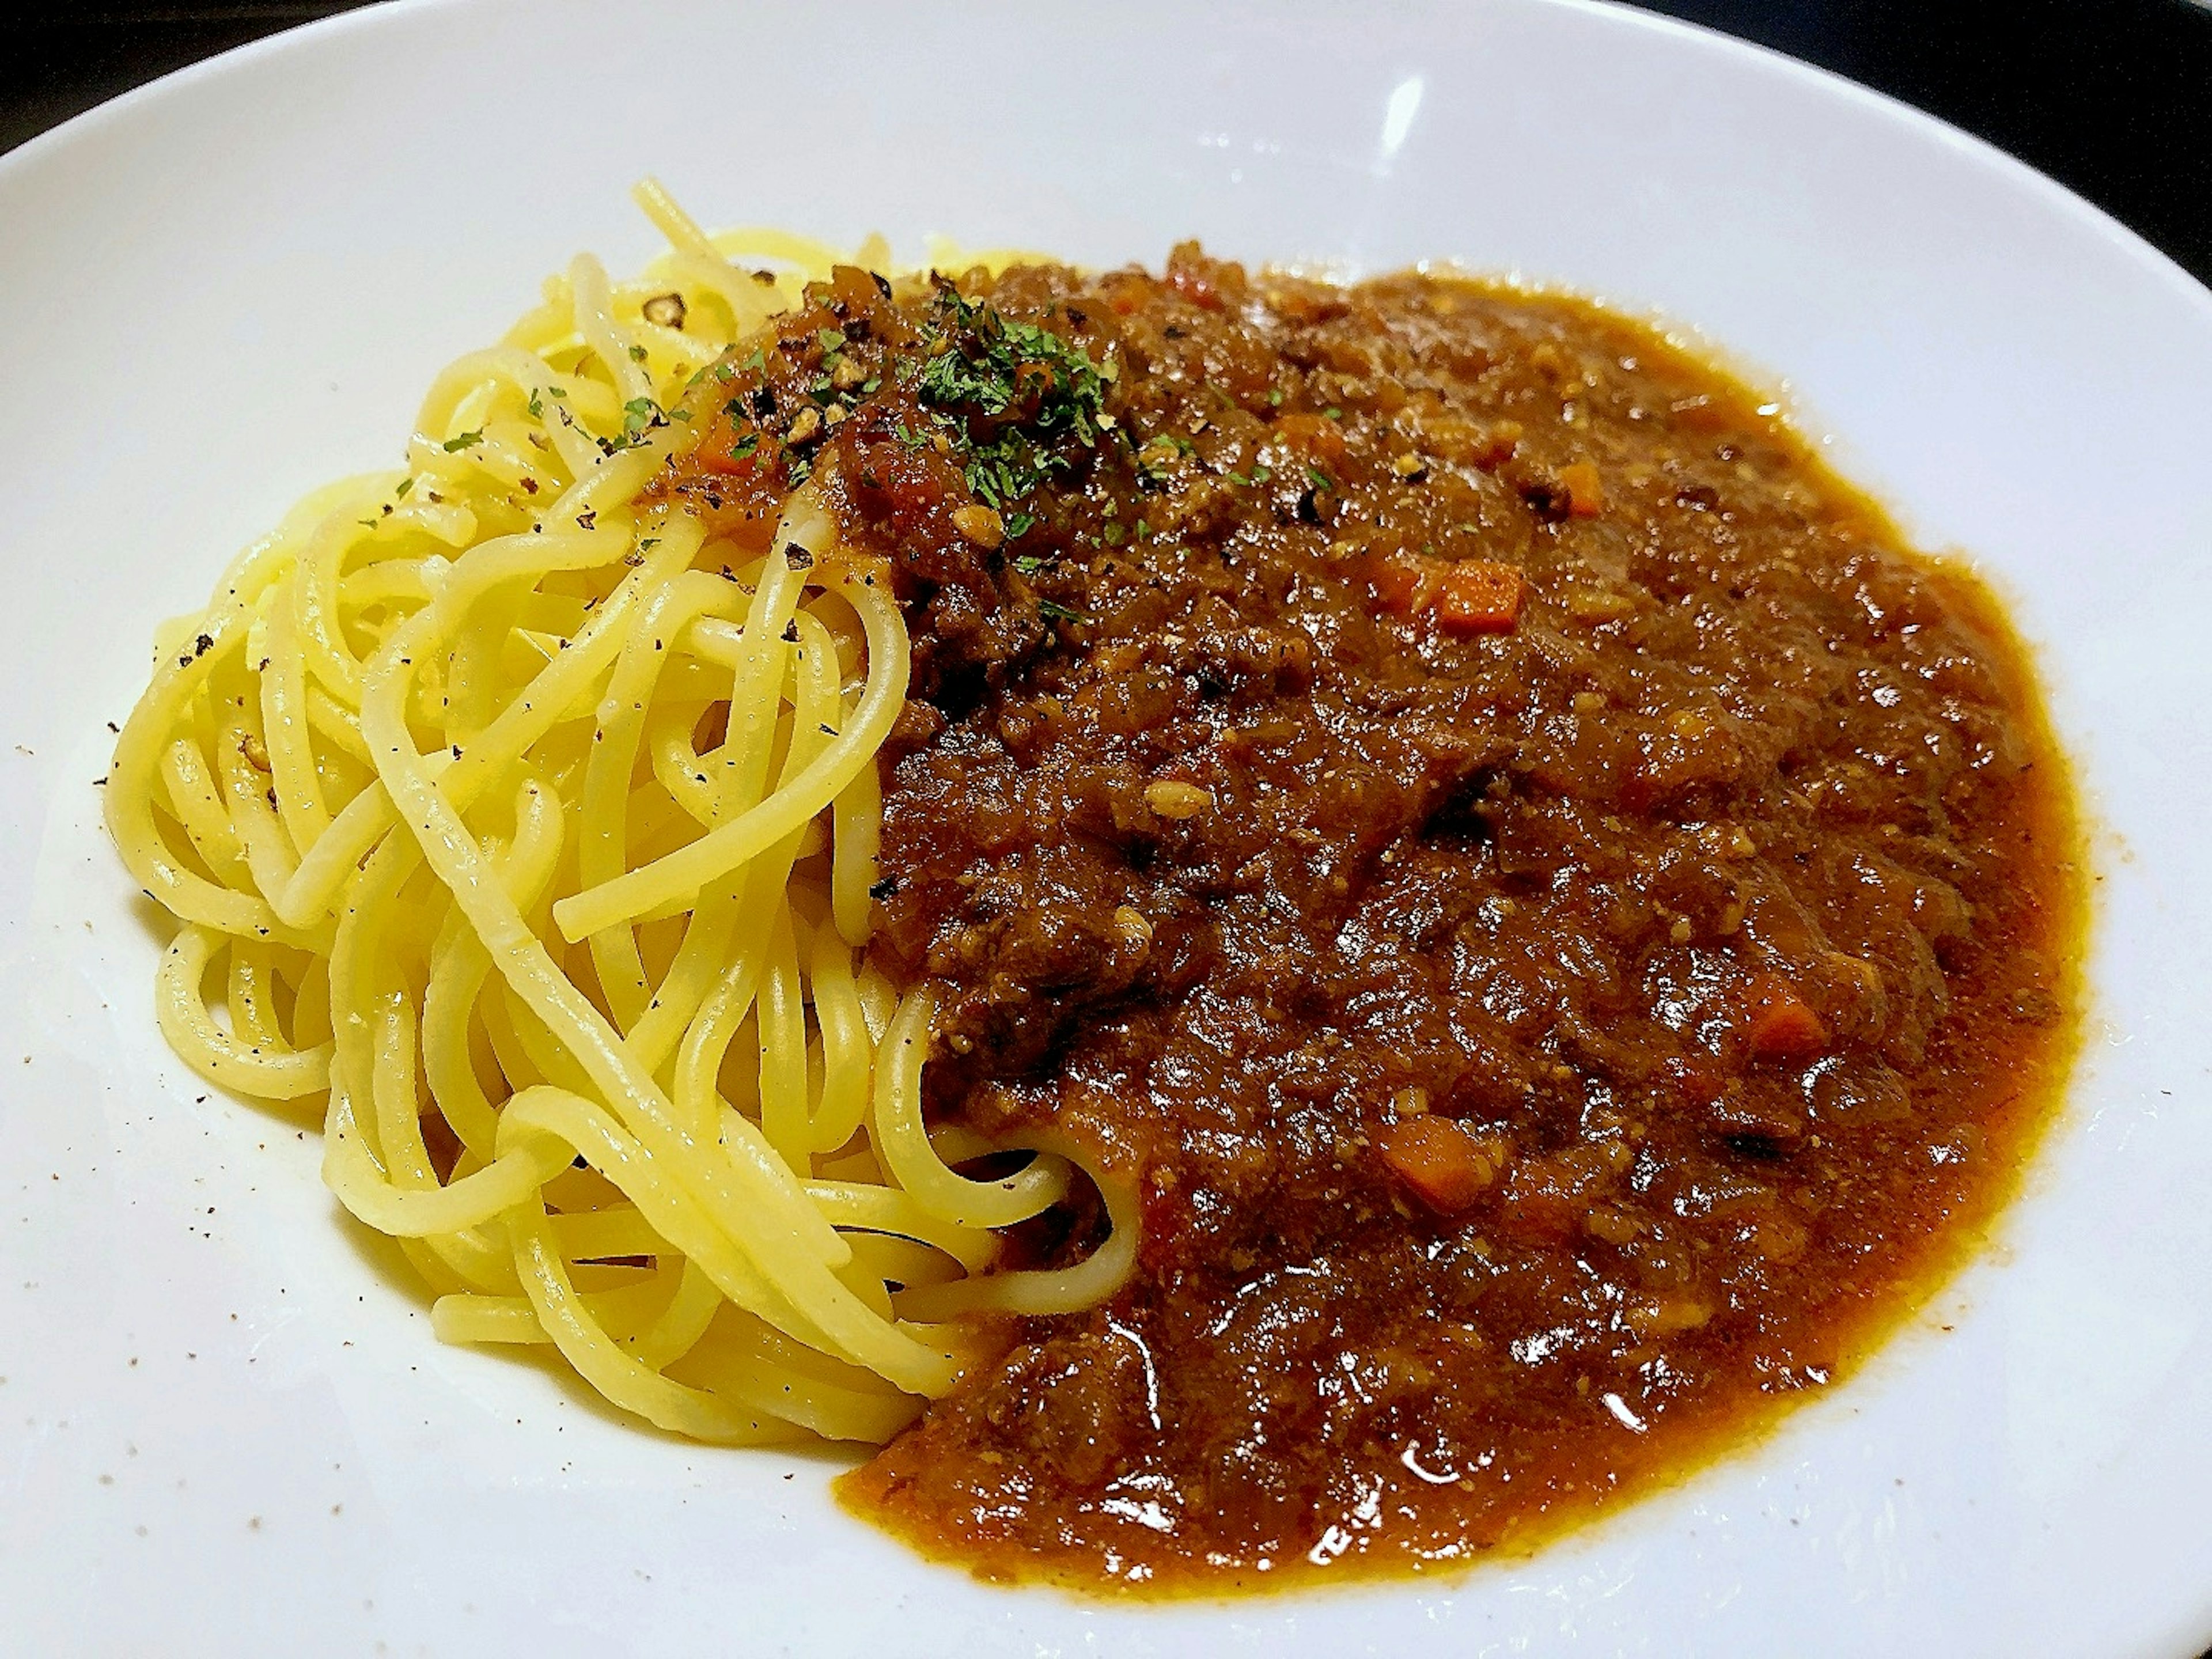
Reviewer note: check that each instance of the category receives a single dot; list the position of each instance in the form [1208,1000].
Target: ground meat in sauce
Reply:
[1558,914]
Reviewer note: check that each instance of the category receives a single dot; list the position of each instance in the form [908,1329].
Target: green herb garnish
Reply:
[1007,393]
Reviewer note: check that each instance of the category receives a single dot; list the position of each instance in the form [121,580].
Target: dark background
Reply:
[2110,97]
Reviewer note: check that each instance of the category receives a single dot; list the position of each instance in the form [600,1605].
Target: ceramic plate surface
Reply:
[224,1423]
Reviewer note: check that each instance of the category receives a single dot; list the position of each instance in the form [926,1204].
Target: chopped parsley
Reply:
[1006,393]
[1059,612]
[466,441]
[637,354]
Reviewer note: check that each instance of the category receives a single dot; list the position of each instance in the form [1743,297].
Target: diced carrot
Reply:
[1315,436]
[1480,596]
[1585,489]
[1404,583]
[1784,1026]
[1443,1162]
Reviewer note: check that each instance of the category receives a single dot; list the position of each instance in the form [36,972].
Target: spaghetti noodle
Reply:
[532,829]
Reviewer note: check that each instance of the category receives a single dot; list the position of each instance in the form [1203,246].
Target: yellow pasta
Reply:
[420,787]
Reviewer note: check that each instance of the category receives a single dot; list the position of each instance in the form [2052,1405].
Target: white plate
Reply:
[224,1424]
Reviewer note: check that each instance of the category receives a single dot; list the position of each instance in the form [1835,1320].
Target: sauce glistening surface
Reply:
[1567,922]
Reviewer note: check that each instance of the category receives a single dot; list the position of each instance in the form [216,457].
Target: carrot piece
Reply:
[1441,1162]
[1404,583]
[1195,286]
[1480,596]
[1585,489]
[1784,1026]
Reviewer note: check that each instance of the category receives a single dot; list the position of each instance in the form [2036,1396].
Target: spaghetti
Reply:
[532,829]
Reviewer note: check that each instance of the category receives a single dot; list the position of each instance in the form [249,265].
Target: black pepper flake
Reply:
[588,519]
[883,889]
[791,633]
[796,557]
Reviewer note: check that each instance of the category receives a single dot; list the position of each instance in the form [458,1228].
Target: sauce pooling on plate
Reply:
[1566,921]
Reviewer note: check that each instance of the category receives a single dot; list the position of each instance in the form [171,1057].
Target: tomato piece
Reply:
[1784,1026]
[1404,583]
[1315,436]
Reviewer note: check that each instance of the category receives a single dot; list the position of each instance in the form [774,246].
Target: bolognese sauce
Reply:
[1566,921]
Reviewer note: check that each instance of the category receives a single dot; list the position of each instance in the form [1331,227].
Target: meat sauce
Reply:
[1568,924]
